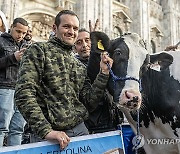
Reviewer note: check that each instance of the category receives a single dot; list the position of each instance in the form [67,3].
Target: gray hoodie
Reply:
[3,17]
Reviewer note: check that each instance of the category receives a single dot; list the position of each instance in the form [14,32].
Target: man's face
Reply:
[67,31]
[28,35]
[18,32]
[83,45]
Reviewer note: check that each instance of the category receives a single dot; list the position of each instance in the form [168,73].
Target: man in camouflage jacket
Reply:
[51,81]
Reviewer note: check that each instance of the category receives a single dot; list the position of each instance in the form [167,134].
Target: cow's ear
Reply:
[99,41]
[160,61]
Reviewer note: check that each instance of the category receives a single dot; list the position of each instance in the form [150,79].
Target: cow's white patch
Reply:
[174,67]
[175,119]
[137,55]
[155,67]
[156,130]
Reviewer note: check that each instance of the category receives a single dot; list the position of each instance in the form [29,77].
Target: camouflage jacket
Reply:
[50,83]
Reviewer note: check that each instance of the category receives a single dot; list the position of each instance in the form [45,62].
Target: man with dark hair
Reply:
[83,46]
[11,121]
[106,116]
[51,81]
[28,37]
[64,12]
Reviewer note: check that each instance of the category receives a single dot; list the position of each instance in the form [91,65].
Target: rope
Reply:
[115,79]
[137,127]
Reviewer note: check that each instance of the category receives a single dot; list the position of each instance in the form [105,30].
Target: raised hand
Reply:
[95,27]
[18,54]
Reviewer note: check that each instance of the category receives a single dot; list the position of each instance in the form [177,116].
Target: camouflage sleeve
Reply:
[91,95]
[28,84]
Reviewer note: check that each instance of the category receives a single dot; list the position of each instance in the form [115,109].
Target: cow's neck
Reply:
[159,104]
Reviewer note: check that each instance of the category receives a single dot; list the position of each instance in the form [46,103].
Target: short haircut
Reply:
[63,12]
[83,30]
[21,21]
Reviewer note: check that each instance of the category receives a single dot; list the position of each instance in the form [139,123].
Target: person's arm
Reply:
[28,83]
[96,26]
[91,94]
[172,47]
[11,59]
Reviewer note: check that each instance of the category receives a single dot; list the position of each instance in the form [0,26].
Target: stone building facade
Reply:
[156,21]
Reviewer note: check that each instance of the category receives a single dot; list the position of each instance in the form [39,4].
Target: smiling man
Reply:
[51,81]
[83,46]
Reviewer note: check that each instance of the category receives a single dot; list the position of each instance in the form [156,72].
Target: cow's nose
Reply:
[135,99]
[132,96]
[132,99]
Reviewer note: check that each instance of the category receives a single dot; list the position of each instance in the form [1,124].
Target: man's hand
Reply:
[172,47]
[60,136]
[105,59]
[96,25]
[18,54]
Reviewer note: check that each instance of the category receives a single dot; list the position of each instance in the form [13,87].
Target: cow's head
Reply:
[131,60]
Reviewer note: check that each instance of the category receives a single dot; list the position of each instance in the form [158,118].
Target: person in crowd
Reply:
[27,42]
[3,23]
[52,81]
[83,46]
[11,121]
[172,47]
[83,43]
[28,37]
[105,117]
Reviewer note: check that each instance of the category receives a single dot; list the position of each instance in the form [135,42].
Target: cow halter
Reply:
[138,140]
[115,78]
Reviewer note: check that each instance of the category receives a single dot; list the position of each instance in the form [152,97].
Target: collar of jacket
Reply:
[59,42]
[9,37]
[84,61]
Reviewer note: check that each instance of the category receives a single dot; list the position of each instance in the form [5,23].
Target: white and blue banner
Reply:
[102,143]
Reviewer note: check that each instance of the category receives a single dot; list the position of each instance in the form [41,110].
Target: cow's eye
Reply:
[118,51]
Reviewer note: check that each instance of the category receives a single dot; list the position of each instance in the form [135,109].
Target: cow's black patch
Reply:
[161,96]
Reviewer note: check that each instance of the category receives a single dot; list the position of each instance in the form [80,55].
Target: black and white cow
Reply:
[153,86]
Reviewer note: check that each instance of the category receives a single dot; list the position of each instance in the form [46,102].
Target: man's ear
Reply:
[160,61]
[99,41]
[54,28]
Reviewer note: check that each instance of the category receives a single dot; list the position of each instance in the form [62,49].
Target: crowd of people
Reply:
[45,86]
[11,51]
[41,83]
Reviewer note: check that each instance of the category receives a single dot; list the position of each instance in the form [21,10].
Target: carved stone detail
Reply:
[41,30]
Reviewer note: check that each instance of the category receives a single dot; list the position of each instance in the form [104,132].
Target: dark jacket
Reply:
[84,61]
[106,116]
[8,63]
[49,85]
